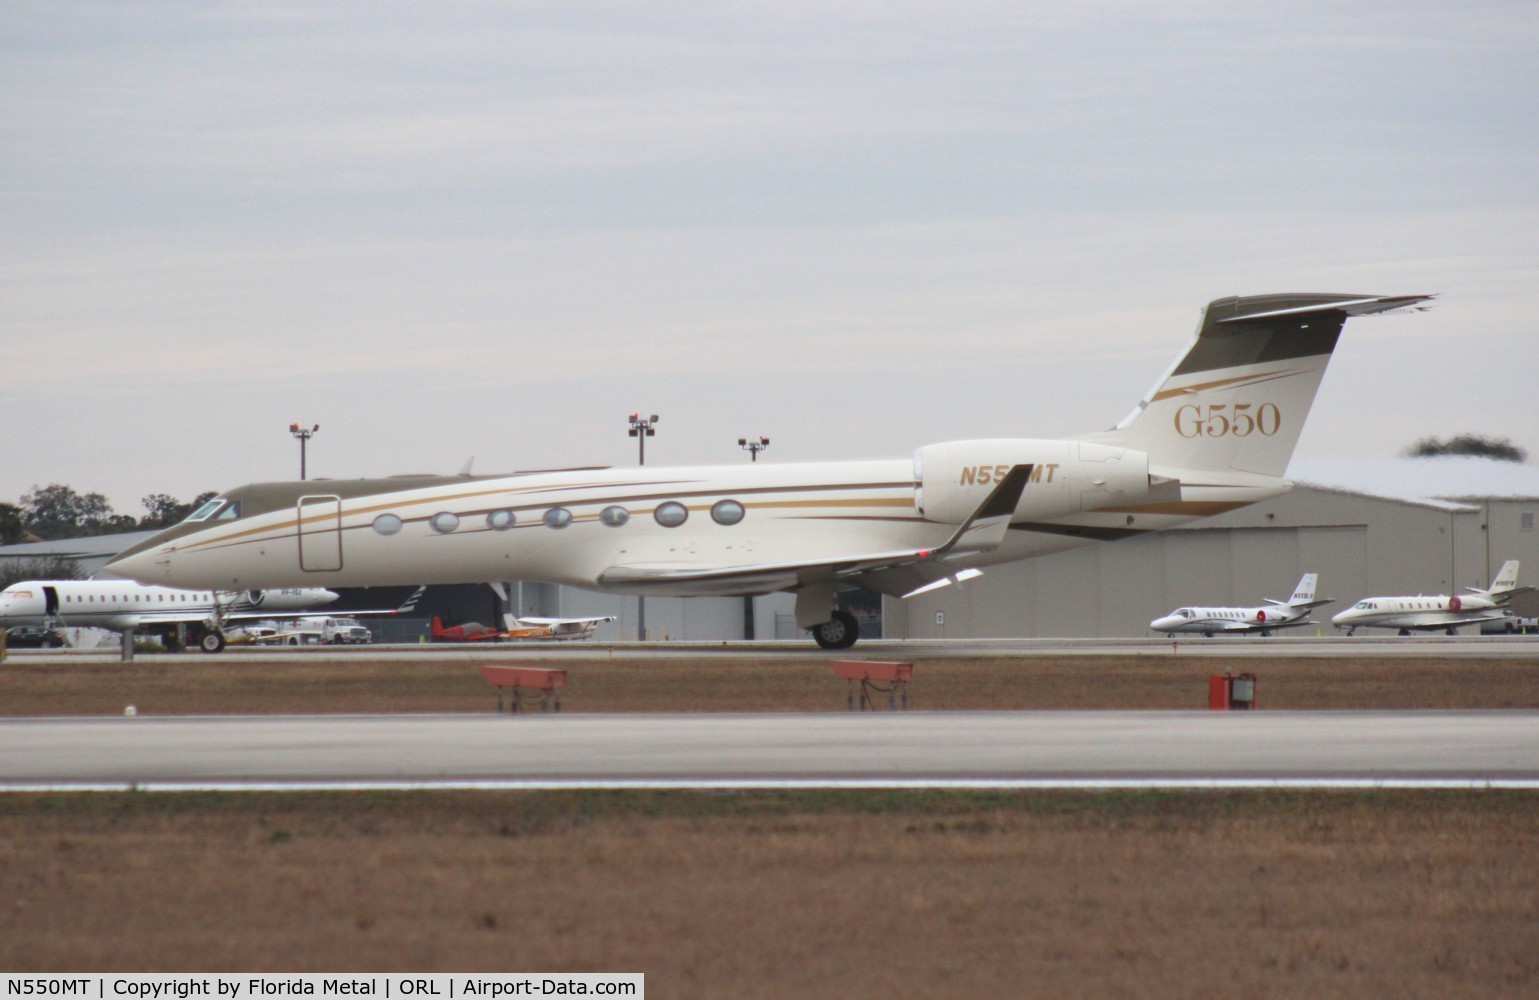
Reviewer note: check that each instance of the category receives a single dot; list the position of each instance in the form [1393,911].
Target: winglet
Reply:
[985,528]
[410,604]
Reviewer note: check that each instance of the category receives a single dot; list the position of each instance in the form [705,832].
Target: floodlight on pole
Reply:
[753,445]
[304,434]
[641,429]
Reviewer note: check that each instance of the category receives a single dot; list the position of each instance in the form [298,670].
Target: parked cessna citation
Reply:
[124,606]
[1214,434]
[1274,614]
[1430,613]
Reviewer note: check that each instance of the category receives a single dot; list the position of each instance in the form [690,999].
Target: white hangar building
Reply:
[1397,526]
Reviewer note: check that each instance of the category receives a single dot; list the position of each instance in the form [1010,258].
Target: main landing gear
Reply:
[815,612]
[839,632]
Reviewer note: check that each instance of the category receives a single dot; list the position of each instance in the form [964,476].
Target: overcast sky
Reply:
[494,229]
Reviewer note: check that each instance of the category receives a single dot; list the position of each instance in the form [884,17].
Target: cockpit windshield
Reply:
[230,512]
[206,511]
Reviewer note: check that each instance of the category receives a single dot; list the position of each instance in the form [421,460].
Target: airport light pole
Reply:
[753,445]
[304,434]
[641,430]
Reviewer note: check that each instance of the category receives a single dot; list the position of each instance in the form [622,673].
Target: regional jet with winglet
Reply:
[127,606]
[1274,614]
[1214,434]
[1437,612]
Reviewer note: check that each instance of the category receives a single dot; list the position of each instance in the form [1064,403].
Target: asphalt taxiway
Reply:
[1516,647]
[917,749]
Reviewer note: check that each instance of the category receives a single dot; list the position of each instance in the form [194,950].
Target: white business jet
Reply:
[1274,614]
[1438,611]
[1215,433]
[126,606]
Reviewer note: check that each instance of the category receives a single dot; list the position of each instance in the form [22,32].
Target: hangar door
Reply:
[320,533]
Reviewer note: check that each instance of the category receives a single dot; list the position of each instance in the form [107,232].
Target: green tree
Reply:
[57,511]
[1478,445]
[13,528]
[165,510]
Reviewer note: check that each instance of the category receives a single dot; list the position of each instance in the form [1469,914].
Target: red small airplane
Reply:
[476,632]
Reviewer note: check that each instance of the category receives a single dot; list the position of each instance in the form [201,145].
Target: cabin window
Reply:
[501,520]
[387,524]
[557,517]
[614,516]
[671,514]
[444,522]
[727,512]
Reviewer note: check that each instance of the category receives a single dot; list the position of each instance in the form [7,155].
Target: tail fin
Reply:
[1506,581]
[1305,591]
[1237,398]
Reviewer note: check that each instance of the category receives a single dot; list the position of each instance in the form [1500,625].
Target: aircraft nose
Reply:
[140,566]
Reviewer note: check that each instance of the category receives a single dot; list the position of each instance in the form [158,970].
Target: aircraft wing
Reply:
[407,607]
[1443,623]
[1302,605]
[192,617]
[897,572]
[1268,626]
[552,622]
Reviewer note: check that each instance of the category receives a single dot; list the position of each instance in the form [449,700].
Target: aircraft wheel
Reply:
[212,642]
[839,632]
[1451,631]
[1266,633]
[1405,633]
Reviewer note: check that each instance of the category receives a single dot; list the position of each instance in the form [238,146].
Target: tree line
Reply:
[57,511]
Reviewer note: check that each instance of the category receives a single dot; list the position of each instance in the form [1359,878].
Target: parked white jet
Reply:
[1438,611]
[1274,614]
[124,605]
[1214,434]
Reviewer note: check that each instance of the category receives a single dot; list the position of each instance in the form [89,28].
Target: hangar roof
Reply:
[1447,477]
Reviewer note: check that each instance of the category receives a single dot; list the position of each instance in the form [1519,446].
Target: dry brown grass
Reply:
[200,684]
[796,894]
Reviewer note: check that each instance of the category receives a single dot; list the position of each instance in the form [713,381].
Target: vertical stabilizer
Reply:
[1237,398]
[1305,591]
[1506,581]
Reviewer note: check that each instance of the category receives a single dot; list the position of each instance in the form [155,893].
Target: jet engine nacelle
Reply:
[1067,477]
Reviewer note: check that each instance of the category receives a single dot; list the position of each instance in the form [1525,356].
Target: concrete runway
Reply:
[918,749]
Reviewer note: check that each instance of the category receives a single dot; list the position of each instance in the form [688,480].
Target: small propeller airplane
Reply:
[1274,614]
[1214,434]
[518,629]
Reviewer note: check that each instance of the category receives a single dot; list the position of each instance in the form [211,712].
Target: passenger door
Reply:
[320,533]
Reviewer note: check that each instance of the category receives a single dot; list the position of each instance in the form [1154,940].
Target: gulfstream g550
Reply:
[1214,434]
